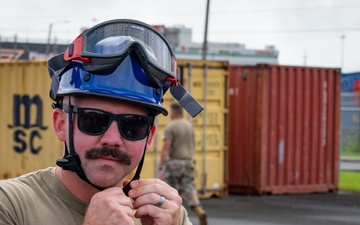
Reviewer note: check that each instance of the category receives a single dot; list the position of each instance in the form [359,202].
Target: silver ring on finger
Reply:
[160,202]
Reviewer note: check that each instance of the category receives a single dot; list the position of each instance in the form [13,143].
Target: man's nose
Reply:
[112,135]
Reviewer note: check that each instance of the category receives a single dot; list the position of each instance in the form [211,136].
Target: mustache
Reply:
[105,151]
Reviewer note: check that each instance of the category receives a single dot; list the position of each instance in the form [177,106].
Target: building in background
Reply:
[180,39]
[18,49]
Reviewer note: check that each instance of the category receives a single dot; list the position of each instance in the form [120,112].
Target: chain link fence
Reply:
[350,123]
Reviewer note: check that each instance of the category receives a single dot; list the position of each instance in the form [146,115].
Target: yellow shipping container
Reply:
[207,81]
[28,143]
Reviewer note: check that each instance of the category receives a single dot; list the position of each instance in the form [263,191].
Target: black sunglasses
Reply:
[132,127]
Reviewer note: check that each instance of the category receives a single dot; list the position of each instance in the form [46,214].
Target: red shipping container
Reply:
[283,129]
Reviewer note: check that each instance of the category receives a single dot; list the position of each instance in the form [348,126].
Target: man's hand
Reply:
[110,206]
[146,193]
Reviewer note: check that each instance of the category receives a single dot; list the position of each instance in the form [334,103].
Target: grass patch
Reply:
[349,180]
[355,155]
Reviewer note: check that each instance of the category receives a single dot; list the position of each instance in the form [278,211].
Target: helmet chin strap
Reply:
[71,160]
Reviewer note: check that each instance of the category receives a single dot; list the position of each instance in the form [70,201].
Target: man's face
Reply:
[109,157]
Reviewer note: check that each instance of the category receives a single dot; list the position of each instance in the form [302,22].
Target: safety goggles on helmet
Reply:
[105,45]
[95,122]
[102,49]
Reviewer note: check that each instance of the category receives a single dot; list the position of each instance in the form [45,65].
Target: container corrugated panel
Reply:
[284,129]
[207,81]
[27,141]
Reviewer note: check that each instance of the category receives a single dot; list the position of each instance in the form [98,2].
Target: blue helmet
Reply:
[126,81]
[121,59]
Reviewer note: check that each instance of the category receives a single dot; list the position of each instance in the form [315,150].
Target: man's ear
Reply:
[58,120]
[151,136]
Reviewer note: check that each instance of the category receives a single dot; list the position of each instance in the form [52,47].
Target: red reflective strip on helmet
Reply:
[75,48]
[173,80]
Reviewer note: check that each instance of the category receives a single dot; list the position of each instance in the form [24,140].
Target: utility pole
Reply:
[49,39]
[342,50]
[204,51]
[47,51]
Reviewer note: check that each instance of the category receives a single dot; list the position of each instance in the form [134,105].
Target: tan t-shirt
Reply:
[181,133]
[41,198]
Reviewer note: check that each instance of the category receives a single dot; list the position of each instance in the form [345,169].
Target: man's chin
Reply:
[105,178]
[104,182]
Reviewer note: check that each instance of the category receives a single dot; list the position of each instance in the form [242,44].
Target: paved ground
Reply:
[342,208]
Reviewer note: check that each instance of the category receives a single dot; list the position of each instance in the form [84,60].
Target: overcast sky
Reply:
[305,32]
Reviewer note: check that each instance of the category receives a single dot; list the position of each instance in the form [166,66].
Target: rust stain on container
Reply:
[284,129]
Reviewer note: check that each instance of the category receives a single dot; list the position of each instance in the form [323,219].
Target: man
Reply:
[176,159]
[107,89]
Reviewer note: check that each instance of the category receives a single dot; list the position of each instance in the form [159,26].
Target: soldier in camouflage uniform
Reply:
[176,164]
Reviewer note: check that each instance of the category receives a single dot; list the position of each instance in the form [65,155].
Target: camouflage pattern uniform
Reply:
[179,171]
[179,168]
[179,174]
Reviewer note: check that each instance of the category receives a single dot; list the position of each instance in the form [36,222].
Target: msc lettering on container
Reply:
[22,106]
